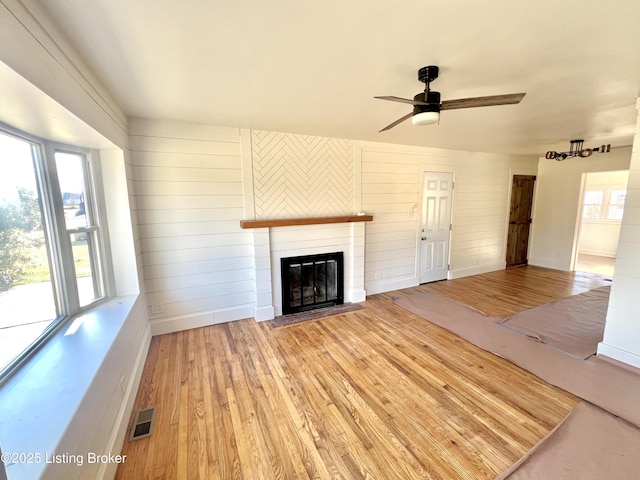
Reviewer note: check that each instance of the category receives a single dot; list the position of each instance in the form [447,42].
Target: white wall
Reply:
[198,265]
[35,49]
[622,329]
[600,236]
[557,205]
[392,178]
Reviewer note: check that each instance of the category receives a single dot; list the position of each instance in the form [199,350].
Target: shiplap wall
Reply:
[198,265]
[622,330]
[392,177]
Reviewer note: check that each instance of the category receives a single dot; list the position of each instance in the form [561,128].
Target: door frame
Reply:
[417,210]
[575,250]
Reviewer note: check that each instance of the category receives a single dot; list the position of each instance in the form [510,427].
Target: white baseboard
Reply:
[358,296]
[476,270]
[121,424]
[616,353]
[381,286]
[161,326]
[563,265]
[262,314]
[598,253]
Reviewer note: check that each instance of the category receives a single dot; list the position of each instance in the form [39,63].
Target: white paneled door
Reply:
[437,196]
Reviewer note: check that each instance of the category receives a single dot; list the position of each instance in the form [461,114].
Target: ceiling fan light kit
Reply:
[425,118]
[576,150]
[427,105]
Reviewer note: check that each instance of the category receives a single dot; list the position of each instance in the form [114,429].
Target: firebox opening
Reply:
[312,281]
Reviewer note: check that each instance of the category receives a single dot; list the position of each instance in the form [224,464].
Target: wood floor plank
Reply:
[374,394]
[322,421]
[300,443]
[442,398]
[226,451]
[414,401]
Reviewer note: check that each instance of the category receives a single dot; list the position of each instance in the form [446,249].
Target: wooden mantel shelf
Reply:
[288,222]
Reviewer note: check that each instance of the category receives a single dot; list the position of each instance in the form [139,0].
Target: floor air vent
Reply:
[143,424]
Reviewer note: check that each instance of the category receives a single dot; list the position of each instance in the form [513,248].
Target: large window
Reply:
[594,202]
[51,261]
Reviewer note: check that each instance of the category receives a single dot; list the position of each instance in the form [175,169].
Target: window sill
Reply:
[39,402]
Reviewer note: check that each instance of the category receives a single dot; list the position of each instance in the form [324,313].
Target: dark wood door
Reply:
[520,220]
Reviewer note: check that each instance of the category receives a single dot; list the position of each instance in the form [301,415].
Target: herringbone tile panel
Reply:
[302,176]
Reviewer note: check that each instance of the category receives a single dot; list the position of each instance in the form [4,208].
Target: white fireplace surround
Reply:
[271,244]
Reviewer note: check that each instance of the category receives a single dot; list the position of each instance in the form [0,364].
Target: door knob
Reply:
[424,238]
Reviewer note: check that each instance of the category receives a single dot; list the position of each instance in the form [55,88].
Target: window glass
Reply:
[27,300]
[616,204]
[50,242]
[72,169]
[71,179]
[592,205]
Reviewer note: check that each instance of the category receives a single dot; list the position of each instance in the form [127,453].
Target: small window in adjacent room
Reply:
[592,205]
[616,204]
[50,242]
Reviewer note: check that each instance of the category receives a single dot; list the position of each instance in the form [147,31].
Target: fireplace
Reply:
[312,281]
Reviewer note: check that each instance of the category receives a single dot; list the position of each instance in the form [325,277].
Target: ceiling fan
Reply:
[427,105]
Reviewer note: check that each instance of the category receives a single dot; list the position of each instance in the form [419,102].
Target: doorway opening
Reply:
[600,218]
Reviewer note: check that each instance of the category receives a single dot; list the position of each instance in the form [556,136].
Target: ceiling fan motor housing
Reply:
[433,100]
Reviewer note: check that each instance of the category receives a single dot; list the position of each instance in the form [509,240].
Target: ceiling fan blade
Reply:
[402,100]
[400,120]
[489,101]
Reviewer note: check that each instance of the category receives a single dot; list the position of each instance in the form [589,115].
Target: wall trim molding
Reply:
[549,263]
[597,253]
[358,296]
[262,314]
[619,354]
[162,326]
[382,286]
[476,270]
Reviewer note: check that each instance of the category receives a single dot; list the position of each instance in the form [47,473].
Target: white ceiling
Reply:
[314,67]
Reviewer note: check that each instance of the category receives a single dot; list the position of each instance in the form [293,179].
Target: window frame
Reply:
[58,237]
[586,205]
[615,205]
[605,205]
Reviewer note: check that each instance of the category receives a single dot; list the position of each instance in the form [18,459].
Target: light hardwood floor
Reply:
[377,393]
[596,264]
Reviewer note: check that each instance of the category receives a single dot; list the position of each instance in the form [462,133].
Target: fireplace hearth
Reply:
[312,281]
